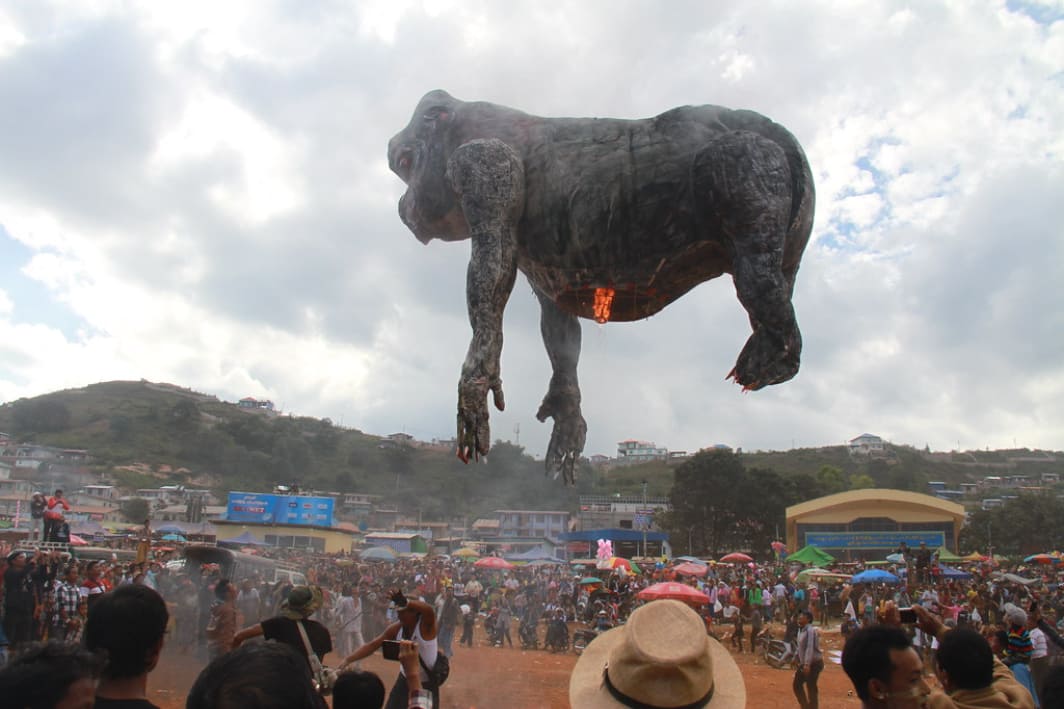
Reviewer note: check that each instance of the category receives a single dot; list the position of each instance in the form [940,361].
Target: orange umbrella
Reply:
[675,591]
[689,569]
[493,562]
[736,556]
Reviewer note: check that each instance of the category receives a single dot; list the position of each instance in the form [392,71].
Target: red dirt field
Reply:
[485,677]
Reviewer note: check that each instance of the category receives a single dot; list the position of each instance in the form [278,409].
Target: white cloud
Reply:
[204,187]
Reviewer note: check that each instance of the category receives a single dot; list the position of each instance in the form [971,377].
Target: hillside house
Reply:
[632,452]
[866,444]
[532,523]
[249,403]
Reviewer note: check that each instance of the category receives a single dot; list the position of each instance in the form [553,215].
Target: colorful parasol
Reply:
[466,553]
[689,569]
[493,562]
[615,562]
[737,556]
[675,591]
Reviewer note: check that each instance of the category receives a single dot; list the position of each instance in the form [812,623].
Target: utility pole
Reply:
[643,517]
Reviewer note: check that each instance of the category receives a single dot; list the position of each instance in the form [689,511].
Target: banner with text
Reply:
[263,508]
[874,540]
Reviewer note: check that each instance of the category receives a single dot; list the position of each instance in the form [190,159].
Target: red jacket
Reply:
[51,513]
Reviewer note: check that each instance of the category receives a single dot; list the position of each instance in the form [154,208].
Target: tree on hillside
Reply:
[120,426]
[860,481]
[184,414]
[40,416]
[135,509]
[1027,525]
[831,480]
[704,501]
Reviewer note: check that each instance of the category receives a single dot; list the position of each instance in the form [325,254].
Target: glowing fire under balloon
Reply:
[603,304]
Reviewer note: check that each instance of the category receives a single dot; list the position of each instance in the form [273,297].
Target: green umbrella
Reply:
[588,580]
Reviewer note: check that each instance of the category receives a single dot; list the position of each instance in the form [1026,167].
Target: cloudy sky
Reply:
[198,193]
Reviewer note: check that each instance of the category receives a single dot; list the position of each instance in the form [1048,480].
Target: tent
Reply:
[811,555]
[540,552]
[946,555]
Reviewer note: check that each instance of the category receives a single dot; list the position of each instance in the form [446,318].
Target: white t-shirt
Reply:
[1038,641]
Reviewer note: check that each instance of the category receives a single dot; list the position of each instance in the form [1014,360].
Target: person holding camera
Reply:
[417,623]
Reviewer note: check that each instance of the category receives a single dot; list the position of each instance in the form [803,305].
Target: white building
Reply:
[866,444]
[632,452]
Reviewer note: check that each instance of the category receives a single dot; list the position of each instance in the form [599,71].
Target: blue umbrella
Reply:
[174,538]
[951,573]
[378,554]
[874,576]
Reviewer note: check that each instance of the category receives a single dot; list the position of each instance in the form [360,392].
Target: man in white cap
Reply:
[660,658]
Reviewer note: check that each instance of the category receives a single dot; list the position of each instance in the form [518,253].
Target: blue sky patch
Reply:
[32,302]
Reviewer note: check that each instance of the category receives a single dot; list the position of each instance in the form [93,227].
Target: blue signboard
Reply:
[304,510]
[250,507]
[874,540]
[261,508]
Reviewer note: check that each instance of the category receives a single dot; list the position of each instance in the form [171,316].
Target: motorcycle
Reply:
[527,633]
[583,637]
[557,639]
[495,636]
[777,653]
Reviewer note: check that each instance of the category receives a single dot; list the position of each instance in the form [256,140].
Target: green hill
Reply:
[168,434]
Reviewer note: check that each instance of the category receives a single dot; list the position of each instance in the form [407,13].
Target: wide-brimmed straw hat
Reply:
[302,601]
[661,658]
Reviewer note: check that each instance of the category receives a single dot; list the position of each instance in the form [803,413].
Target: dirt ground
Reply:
[485,677]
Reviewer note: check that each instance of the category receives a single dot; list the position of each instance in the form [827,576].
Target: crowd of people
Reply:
[416,607]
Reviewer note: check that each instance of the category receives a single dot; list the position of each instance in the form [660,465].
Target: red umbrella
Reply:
[493,562]
[736,556]
[675,591]
[689,569]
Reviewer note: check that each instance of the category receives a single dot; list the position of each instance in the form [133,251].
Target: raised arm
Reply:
[390,633]
[489,178]
[428,618]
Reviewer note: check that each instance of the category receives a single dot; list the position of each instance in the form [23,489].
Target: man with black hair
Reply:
[417,623]
[54,517]
[884,667]
[38,503]
[50,675]
[128,623]
[20,578]
[256,676]
[67,598]
[810,660]
[887,672]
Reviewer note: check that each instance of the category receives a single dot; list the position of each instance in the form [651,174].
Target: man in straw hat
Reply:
[662,659]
